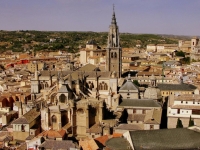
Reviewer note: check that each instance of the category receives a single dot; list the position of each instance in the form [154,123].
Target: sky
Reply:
[178,17]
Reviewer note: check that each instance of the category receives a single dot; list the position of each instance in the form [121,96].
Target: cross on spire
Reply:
[113,7]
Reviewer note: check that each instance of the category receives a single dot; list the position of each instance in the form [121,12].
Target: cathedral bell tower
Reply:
[113,50]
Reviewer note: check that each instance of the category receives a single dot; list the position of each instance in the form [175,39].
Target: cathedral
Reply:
[88,102]
[81,101]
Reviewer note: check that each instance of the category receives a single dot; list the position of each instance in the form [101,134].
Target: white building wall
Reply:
[17,127]
[83,57]
[127,136]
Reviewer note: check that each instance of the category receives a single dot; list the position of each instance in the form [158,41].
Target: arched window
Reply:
[53,119]
[100,86]
[42,85]
[80,111]
[115,55]
[62,98]
[91,86]
[46,84]
[111,55]
[105,86]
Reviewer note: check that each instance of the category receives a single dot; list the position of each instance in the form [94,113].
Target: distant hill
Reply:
[70,41]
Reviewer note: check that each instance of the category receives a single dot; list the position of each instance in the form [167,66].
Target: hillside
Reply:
[70,41]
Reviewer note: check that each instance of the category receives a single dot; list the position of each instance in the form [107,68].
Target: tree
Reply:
[179,123]
[191,122]
[136,82]
[180,53]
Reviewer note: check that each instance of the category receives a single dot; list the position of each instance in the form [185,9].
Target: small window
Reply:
[143,111]
[186,102]
[151,127]
[181,101]
[54,119]
[22,128]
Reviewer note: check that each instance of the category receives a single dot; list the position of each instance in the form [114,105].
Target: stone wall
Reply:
[185,121]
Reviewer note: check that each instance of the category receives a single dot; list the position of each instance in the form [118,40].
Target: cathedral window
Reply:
[80,111]
[105,86]
[100,87]
[42,85]
[46,84]
[115,55]
[53,119]
[91,85]
[62,98]
[111,55]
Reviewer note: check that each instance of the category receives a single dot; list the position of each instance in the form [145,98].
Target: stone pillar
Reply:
[73,119]
[20,110]
[87,117]
[69,115]
[109,100]
[101,112]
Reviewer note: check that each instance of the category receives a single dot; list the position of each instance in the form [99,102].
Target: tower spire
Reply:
[114,52]
[113,16]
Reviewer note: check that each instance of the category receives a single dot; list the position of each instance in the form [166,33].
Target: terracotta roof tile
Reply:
[117,135]
[102,139]
[88,144]
[55,145]
[53,134]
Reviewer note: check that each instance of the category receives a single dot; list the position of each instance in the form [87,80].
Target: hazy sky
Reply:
[181,17]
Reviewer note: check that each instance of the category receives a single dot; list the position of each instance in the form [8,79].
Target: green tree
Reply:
[180,53]
[191,122]
[179,123]
[136,82]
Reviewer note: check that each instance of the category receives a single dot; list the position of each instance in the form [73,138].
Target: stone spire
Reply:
[113,50]
[113,35]
[113,16]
